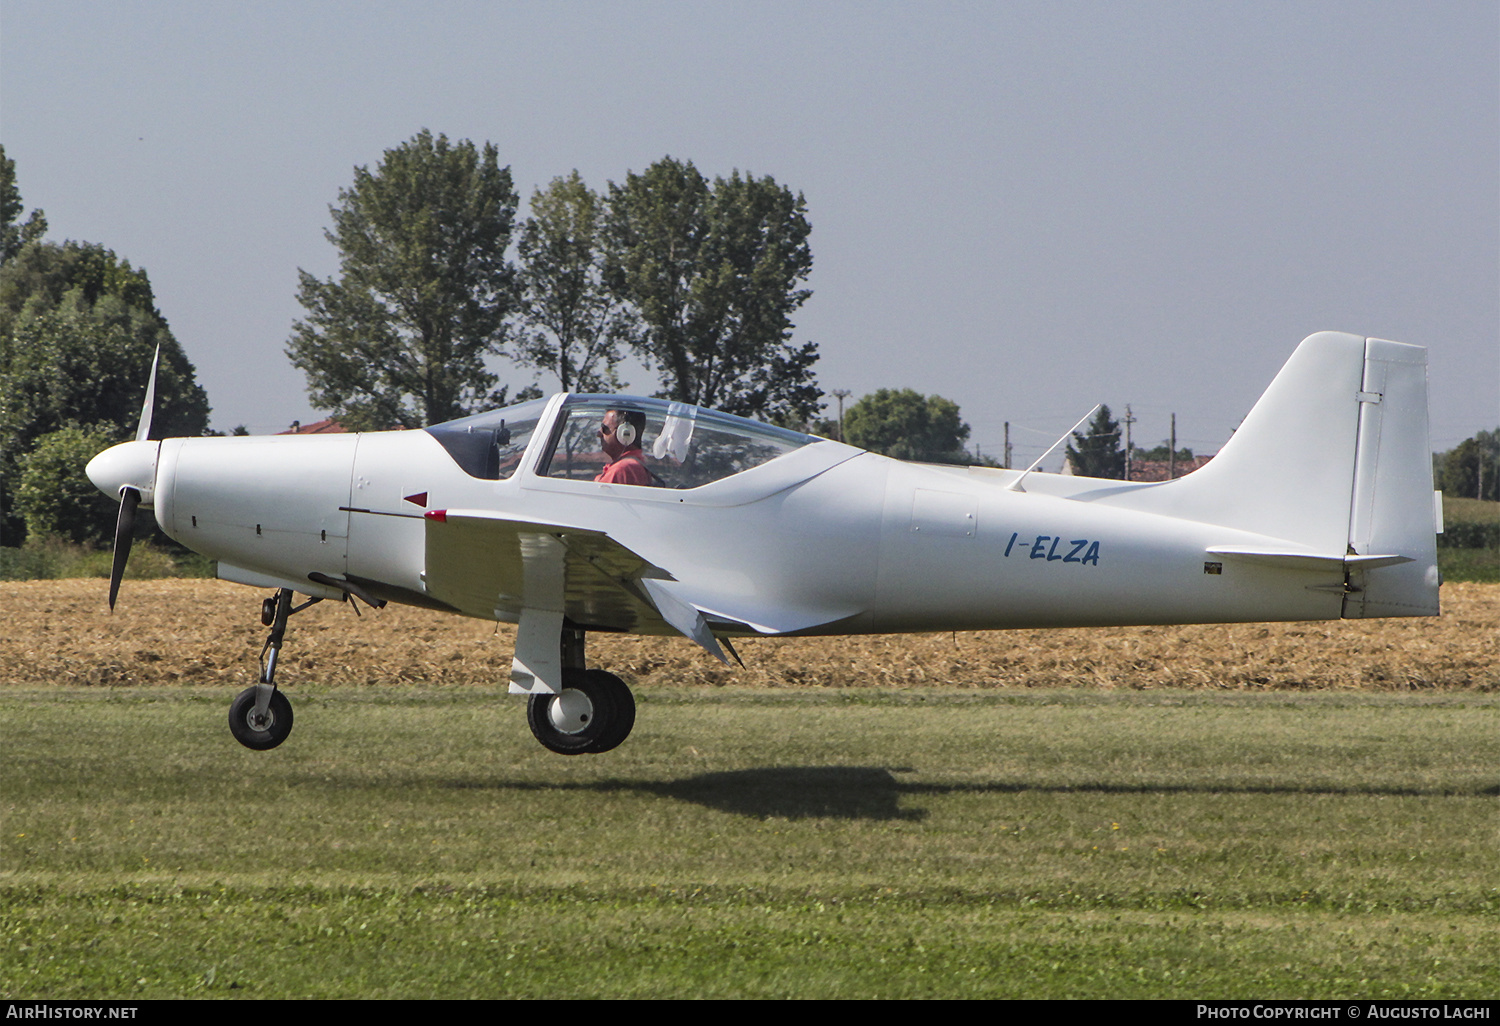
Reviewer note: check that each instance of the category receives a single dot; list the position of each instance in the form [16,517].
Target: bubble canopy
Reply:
[683,446]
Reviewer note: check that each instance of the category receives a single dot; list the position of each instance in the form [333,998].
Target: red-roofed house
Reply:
[328,426]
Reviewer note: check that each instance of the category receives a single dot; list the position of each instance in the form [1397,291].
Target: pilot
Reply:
[620,434]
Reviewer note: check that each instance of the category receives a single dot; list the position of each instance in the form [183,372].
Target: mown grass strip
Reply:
[497,943]
[418,843]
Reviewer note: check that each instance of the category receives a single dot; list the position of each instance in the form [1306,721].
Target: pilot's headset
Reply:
[625,432]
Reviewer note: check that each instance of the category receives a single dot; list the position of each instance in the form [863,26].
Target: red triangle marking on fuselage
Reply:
[420,499]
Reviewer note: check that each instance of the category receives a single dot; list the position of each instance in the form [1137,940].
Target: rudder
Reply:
[1391,509]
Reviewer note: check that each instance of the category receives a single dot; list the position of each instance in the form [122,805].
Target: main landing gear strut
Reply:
[260,717]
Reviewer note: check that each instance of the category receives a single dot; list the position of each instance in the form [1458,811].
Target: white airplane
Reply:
[1319,507]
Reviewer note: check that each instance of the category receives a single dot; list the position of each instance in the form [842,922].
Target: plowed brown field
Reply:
[196,632]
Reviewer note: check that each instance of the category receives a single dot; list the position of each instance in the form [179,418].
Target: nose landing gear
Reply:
[260,717]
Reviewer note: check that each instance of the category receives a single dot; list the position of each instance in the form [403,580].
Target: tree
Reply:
[40,278]
[424,289]
[572,325]
[1471,470]
[80,327]
[14,236]
[713,271]
[1162,453]
[55,497]
[1098,453]
[908,426]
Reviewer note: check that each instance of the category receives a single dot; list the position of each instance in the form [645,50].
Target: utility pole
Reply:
[840,394]
[1129,420]
[1172,451]
[1007,445]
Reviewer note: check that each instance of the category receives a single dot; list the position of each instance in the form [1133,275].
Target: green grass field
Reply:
[1469,564]
[1474,510]
[418,843]
[1482,565]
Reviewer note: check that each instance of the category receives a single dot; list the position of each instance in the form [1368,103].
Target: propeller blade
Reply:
[145,426]
[124,535]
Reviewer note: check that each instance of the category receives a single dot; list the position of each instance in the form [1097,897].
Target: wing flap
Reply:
[477,561]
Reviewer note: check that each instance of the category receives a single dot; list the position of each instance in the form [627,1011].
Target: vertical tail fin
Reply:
[1288,469]
[1334,460]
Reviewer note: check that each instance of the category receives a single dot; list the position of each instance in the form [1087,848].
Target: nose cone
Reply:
[128,465]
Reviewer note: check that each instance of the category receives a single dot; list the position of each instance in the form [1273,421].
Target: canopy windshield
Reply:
[490,445]
[682,446]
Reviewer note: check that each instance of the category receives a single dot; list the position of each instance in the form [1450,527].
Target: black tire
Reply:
[573,722]
[267,735]
[623,714]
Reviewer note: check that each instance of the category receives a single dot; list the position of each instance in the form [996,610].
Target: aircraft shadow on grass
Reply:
[875,793]
[786,792]
[796,792]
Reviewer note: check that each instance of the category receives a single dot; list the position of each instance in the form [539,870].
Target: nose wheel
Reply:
[594,713]
[260,730]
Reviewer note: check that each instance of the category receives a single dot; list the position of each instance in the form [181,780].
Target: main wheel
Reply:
[265,734]
[618,729]
[587,716]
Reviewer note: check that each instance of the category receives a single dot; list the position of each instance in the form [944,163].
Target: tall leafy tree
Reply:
[13,236]
[571,324]
[908,426]
[400,338]
[87,365]
[715,272]
[78,328]
[1098,452]
[1471,470]
[40,279]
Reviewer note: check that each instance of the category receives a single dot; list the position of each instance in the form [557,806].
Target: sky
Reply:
[1027,208]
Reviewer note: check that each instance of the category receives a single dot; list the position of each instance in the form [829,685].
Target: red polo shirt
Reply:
[628,469]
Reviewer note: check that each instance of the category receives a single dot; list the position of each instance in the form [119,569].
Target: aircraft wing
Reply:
[493,565]
[536,573]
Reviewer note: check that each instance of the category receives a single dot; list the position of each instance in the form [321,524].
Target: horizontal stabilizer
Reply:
[1304,560]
